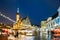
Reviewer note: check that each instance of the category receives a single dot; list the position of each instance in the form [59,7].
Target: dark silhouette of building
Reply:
[55,15]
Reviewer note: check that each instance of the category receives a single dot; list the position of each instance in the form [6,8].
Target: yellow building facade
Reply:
[43,24]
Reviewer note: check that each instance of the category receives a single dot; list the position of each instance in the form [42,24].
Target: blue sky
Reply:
[36,10]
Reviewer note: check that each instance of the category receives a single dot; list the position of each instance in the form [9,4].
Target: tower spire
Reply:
[17,15]
[17,10]
[59,11]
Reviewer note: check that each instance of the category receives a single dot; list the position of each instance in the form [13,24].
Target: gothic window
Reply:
[49,25]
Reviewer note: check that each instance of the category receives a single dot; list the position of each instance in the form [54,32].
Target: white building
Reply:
[54,22]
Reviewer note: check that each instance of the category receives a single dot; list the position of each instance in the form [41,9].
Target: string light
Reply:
[6,17]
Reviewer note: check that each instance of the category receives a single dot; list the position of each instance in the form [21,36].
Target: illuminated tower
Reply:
[18,24]
[17,15]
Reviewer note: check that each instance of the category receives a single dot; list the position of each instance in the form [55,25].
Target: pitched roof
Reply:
[55,15]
